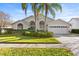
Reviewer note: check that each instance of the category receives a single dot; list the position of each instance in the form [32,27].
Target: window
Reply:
[32,24]
[20,26]
[42,25]
[58,26]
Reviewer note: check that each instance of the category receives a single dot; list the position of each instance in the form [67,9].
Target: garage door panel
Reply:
[58,30]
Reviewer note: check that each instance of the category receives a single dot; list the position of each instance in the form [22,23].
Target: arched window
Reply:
[20,26]
[32,24]
[42,25]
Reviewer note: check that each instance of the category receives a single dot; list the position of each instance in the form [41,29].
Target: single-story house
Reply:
[74,23]
[56,26]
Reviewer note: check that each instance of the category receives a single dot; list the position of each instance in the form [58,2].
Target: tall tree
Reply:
[24,7]
[4,20]
[34,9]
[49,8]
[45,8]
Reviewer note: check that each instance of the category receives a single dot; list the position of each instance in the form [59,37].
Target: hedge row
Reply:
[75,31]
[38,34]
[24,32]
[13,31]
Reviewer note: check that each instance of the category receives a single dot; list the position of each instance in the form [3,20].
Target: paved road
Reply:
[70,42]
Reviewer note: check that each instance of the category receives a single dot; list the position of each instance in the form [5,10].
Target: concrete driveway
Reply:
[71,42]
[66,35]
[68,40]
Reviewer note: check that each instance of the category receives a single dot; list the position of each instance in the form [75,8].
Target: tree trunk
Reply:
[45,23]
[35,20]
[35,24]
[46,11]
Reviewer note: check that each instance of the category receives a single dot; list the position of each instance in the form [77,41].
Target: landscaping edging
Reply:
[30,43]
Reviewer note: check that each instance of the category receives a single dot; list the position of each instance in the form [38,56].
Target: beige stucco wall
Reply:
[25,25]
[26,22]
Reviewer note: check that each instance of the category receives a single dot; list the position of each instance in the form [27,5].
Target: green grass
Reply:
[10,38]
[35,52]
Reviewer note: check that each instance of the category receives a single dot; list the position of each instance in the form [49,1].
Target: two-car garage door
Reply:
[58,29]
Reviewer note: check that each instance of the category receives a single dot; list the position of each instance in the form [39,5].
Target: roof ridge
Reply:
[23,19]
[63,21]
[29,17]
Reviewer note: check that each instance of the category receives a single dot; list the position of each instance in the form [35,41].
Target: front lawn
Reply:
[34,52]
[26,39]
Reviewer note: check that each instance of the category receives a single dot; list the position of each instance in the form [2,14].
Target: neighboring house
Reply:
[56,26]
[74,23]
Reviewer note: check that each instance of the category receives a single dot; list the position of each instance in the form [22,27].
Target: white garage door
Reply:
[58,29]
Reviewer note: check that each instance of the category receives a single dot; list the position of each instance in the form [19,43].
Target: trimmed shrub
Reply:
[12,31]
[31,29]
[24,32]
[39,34]
[8,31]
[75,31]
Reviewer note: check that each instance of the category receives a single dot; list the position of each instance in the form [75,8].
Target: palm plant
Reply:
[47,7]
[52,8]
[24,7]
[34,9]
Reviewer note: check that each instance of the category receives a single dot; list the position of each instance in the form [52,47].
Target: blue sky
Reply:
[69,10]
